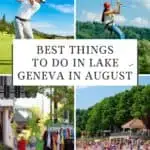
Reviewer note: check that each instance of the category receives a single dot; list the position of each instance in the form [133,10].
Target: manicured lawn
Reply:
[5,53]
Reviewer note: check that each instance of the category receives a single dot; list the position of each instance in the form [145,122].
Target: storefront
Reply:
[8,95]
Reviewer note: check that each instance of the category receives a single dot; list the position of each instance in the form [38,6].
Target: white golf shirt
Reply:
[26,11]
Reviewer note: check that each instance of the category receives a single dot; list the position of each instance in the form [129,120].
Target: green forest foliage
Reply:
[144,56]
[95,30]
[112,112]
[5,26]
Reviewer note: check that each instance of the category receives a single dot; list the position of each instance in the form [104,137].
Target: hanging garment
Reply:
[61,136]
[61,139]
[49,139]
[58,141]
[64,133]
[54,139]
[45,141]
[68,133]
[72,133]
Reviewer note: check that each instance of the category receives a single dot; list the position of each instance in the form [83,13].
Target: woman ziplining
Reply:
[108,19]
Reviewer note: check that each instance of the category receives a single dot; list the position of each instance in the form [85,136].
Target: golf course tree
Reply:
[5,26]
[112,112]
[3,19]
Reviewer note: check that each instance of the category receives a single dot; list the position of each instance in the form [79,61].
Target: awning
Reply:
[134,124]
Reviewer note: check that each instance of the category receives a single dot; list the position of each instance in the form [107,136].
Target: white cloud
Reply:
[39,25]
[120,19]
[146,3]
[66,8]
[133,6]
[90,16]
[63,32]
[140,22]
[49,28]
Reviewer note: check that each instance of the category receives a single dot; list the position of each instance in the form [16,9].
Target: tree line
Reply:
[96,30]
[114,111]
[6,26]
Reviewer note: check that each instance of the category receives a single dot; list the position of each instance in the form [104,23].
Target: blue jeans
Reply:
[117,30]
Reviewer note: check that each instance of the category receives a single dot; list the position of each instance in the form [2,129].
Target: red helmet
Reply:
[107,5]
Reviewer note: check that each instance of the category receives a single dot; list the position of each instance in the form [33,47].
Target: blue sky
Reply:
[55,16]
[133,12]
[88,96]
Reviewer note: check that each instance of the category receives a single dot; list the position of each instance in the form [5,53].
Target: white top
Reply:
[26,11]
[109,19]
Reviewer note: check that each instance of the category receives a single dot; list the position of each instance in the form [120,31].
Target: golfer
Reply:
[28,8]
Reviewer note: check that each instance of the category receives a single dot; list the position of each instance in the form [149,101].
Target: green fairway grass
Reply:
[6,50]
[5,53]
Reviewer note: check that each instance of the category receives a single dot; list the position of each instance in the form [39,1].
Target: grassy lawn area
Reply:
[5,69]
[5,53]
